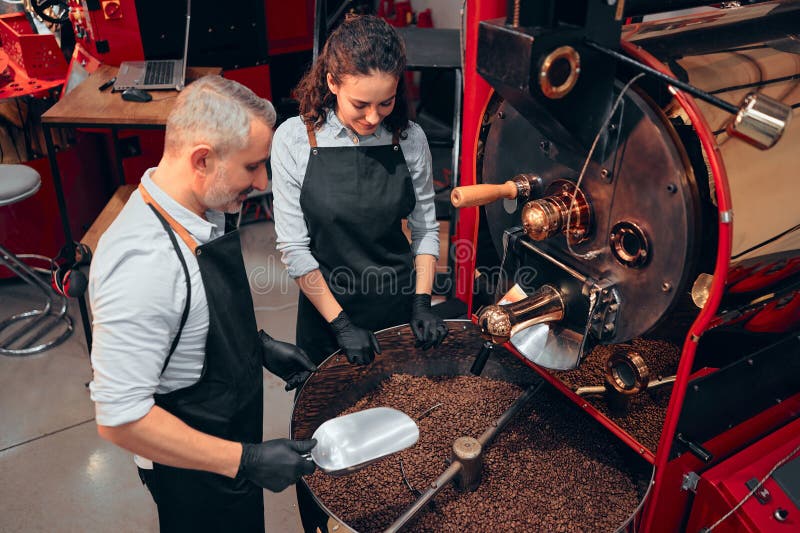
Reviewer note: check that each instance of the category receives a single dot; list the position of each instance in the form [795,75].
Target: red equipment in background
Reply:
[109,32]
[34,67]
[397,14]
[112,32]
[476,98]
[29,63]
[290,26]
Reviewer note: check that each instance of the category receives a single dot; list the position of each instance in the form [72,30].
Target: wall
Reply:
[446,13]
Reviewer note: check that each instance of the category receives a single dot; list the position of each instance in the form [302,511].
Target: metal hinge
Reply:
[689,481]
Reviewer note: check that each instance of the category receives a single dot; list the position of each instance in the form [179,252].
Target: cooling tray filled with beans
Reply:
[551,469]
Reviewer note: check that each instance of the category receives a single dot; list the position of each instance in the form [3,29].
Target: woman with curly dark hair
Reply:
[345,173]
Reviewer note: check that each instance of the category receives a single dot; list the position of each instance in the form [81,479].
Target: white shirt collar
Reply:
[340,130]
[202,230]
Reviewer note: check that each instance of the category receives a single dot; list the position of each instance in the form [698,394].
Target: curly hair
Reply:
[358,47]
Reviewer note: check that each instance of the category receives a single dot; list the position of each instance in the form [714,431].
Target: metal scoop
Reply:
[351,442]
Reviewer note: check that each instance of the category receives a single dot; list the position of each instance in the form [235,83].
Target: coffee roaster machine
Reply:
[639,181]
[629,181]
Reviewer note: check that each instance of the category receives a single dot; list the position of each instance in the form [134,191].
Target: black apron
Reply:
[226,402]
[353,200]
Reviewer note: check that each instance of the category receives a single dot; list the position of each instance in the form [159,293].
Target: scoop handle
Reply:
[482,194]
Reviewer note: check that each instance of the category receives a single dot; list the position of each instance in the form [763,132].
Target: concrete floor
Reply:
[56,474]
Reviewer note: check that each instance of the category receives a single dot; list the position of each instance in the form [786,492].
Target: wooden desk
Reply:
[86,106]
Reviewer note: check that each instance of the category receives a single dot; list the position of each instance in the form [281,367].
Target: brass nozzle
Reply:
[498,323]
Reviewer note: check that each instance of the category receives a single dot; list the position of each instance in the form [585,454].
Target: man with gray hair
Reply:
[177,358]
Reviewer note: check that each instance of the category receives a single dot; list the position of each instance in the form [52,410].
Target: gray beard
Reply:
[219,198]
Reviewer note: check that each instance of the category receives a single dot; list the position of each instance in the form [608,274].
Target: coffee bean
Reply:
[552,469]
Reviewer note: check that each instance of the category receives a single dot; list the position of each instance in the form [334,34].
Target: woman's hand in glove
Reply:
[276,464]
[286,361]
[429,329]
[360,345]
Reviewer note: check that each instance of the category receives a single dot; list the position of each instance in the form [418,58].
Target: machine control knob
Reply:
[498,323]
[564,205]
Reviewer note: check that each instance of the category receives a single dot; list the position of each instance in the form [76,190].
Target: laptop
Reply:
[156,74]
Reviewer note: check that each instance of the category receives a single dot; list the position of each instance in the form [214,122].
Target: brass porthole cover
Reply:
[553,80]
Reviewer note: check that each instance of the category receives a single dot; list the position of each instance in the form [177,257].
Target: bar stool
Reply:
[37,330]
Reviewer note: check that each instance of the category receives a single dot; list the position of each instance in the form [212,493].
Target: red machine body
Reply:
[110,33]
[738,338]
[724,485]
[29,63]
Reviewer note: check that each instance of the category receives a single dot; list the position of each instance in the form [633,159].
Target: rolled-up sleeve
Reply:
[287,182]
[422,221]
[135,318]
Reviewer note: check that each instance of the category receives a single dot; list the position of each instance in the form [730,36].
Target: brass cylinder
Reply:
[548,216]
[498,323]
[545,217]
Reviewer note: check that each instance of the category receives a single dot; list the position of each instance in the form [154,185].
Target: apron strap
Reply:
[312,137]
[174,224]
[171,226]
[188,304]
[396,137]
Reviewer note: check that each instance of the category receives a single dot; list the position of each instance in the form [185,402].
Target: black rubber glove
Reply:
[429,329]
[360,345]
[286,361]
[276,464]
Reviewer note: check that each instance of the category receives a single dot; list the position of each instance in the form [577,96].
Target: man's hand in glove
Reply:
[276,464]
[360,345]
[429,329]
[286,361]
